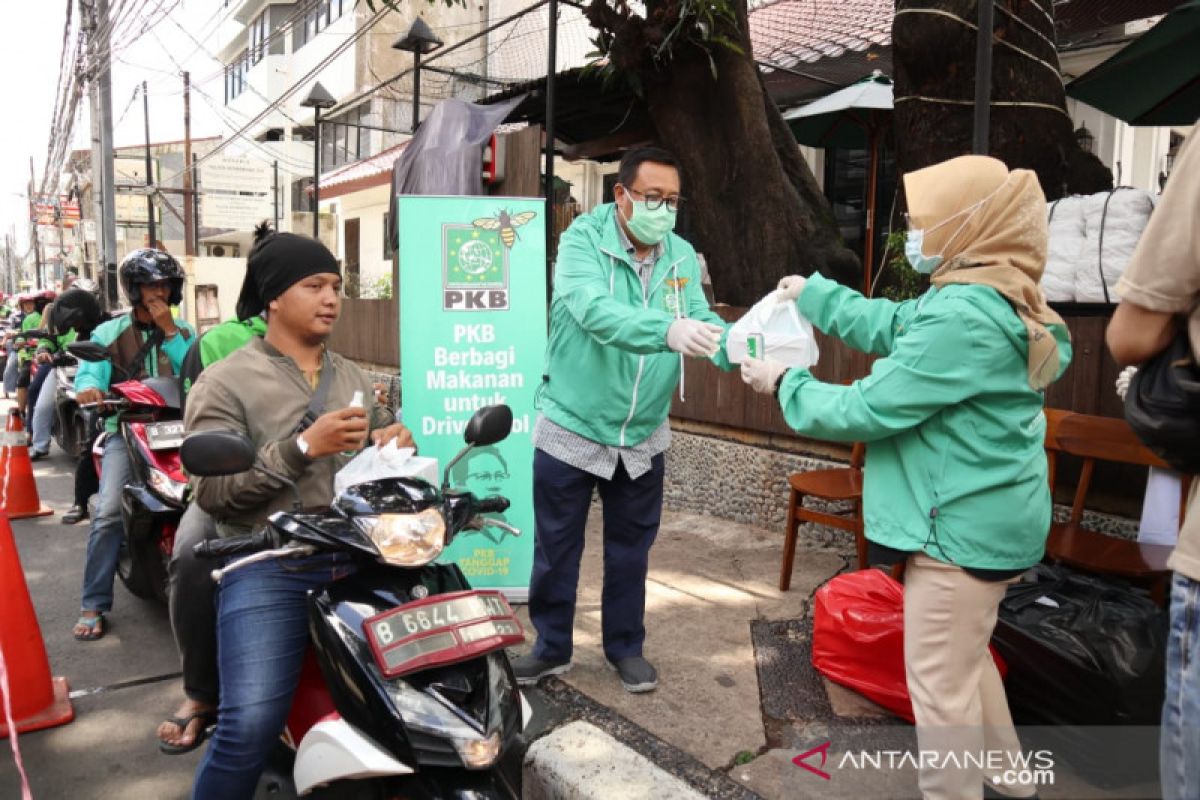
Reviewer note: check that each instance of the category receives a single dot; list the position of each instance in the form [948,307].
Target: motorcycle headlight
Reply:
[423,713]
[406,540]
[163,484]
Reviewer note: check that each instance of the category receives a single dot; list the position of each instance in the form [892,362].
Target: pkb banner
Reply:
[473,334]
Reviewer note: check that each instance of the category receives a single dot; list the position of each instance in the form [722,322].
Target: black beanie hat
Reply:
[277,262]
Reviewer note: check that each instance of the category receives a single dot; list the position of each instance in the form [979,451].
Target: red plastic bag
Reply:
[858,637]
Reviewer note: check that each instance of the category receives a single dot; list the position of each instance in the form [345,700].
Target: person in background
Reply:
[192,593]
[148,341]
[955,480]
[1160,296]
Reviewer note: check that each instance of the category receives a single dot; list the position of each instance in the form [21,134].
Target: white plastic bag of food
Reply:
[788,336]
[389,461]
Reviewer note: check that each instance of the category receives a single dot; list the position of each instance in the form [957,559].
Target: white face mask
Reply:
[914,243]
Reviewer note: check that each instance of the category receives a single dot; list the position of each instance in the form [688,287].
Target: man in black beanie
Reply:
[276,390]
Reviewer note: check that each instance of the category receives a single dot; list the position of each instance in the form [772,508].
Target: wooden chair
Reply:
[1093,439]
[840,484]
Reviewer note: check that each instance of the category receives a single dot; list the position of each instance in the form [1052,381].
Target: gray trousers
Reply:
[193,606]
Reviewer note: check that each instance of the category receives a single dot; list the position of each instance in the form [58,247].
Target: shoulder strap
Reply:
[316,405]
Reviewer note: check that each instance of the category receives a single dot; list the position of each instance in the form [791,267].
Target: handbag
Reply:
[1163,405]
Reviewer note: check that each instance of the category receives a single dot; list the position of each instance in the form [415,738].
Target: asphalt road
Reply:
[122,685]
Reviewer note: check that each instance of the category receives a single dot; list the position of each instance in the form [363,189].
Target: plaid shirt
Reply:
[601,459]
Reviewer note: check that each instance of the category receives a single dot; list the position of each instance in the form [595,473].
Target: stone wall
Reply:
[748,484]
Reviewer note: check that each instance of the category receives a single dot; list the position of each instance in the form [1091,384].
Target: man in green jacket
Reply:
[628,305]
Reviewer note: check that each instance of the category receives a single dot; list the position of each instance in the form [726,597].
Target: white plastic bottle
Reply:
[355,402]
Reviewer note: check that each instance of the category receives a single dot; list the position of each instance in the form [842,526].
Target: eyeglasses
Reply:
[654,200]
[499,476]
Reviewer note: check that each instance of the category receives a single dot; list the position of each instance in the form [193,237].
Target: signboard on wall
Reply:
[473,334]
[237,211]
[225,173]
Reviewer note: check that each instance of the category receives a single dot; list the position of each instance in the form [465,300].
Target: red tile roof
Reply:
[791,33]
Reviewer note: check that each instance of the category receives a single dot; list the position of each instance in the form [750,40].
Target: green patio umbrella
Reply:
[855,117]
[1156,79]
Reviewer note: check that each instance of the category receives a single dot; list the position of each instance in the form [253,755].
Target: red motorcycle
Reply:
[153,501]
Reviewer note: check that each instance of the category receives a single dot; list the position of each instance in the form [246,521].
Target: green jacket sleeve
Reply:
[867,325]
[931,366]
[581,283]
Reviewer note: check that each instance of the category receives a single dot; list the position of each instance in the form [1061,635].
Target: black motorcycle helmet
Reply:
[151,266]
[77,308]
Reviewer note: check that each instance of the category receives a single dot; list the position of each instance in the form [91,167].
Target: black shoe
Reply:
[35,455]
[530,669]
[74,514]
[637,674]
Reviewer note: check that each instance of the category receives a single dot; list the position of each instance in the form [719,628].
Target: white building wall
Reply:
[368,206]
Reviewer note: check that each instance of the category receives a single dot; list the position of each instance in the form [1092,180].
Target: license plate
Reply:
[164,435]
[439,630]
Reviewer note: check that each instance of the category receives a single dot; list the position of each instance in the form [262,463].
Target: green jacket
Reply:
[609,374]
[216,343]
[955,462]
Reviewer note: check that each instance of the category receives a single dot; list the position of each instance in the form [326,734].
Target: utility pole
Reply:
[189,219]
[149,169]
[33,218]
[95,16]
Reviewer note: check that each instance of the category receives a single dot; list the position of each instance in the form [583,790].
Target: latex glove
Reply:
[790,287]
[1123,381]
[762,373]
[694,338]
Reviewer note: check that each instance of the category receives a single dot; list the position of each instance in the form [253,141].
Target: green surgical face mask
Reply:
[650,227]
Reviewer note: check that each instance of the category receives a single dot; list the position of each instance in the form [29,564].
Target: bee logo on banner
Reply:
[475,262]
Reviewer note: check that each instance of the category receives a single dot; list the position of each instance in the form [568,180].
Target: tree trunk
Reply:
[934,45]
[755,209]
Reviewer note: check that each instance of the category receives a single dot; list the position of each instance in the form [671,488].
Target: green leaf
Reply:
[728,44]
[744,757]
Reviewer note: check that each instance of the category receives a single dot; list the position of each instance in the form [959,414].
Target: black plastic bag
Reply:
[1162,405]
[1084,651]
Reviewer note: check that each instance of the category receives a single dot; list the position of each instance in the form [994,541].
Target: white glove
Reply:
[790,287]
[762,373]
[1123,381]
[694,338]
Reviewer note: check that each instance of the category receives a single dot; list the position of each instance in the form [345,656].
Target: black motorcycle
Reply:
[407,691]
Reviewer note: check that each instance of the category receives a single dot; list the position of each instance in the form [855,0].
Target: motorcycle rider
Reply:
[25,345]
[269,389]
[26,303]
[148,341]
[192,592]
[71,317]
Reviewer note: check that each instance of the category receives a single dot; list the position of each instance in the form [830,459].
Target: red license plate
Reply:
[442,629]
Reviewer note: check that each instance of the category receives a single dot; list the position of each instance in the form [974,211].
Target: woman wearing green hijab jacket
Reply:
[955,480]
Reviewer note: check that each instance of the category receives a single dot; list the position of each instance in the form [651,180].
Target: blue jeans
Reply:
[43,413]
[10,374]
[632,511]
[262,635]
[1179,749]
[104,538]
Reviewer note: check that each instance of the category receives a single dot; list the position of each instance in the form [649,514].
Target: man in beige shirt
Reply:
[1160,291]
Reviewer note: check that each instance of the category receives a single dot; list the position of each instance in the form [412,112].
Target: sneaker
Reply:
[35,455]
[637,674]
[530,669]
[74,514]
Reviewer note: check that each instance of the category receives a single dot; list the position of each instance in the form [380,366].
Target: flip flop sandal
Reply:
[96,628]
[209,718]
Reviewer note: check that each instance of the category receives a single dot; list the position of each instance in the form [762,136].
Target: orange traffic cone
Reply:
[38,701]
[18,489]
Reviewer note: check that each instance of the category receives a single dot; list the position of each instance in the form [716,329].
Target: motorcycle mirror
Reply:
[88,351]
[489,425]
[210,453]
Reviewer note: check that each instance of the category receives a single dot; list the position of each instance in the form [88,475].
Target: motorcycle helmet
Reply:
[76,308]
[151,266]
[43,299]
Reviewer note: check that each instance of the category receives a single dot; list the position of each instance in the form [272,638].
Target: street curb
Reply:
[579,762]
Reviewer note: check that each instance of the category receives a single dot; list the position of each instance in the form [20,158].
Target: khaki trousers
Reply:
[957,695]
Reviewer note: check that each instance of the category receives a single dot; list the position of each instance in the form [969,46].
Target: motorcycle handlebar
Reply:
[235,545]
[492,505]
